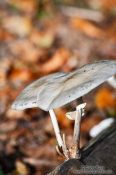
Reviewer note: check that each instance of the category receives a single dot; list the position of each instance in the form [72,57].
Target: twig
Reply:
[82,13]
[39,162]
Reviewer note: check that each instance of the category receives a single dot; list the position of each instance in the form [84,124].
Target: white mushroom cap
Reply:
[112,81]
[28,97]
[58,89]
[71,115]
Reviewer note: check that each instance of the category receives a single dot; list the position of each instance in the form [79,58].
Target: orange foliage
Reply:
[20,75]
[5,35]
[108,5]
[25,5]
[104,99]
[59,59]
[104,5]
[87,27]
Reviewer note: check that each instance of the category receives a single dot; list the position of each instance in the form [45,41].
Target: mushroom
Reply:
[112,81]
[58,89]
[76,116]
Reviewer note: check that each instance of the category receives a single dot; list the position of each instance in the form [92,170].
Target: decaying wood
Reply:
[99,157]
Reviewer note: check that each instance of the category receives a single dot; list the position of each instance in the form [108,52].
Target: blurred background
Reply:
[39,37]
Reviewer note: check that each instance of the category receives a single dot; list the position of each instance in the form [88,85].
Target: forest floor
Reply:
[34,43]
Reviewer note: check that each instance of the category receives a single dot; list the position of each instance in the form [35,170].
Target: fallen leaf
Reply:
[21,168]
[87,28]
[28,6]
[17,25]
[4,127]
[42,39]
[104,5]
[5,35]
[17,76]
[56,61]
[105,99]
[25,50]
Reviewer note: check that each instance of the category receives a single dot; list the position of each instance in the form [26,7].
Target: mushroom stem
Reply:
[76,135]
[56,127]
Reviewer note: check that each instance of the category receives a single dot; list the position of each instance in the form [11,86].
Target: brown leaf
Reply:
[7,127]
[18,76]
[57,61]
[89,122]
[87,28]
[25,50]
[17,25]
[42,39]
[28,6]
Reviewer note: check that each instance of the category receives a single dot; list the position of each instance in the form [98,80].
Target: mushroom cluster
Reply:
[58,89]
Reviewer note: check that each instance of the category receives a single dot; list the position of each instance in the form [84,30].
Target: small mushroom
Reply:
[58,89]
[112,81]
[71,115]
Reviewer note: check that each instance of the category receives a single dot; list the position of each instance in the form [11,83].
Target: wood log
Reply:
[98,157]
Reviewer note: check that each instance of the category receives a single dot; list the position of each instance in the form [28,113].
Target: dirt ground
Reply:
[38,38]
